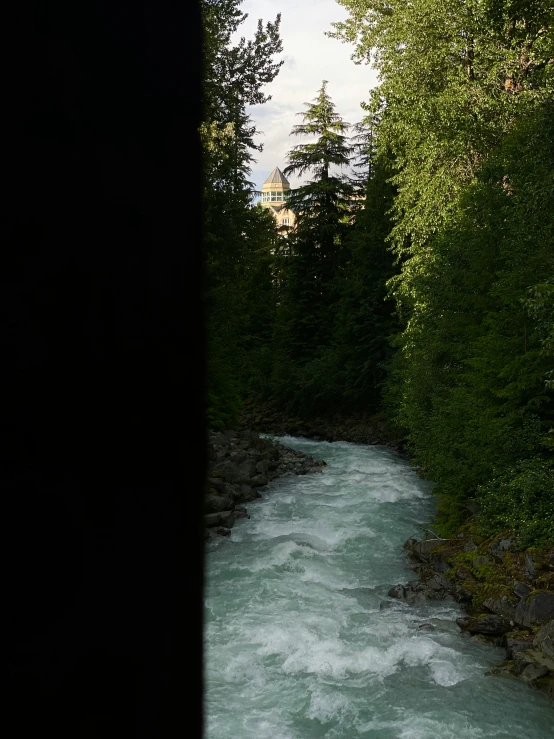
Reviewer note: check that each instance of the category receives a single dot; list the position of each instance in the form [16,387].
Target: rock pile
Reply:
[357,428]
[240,464]
[509,597]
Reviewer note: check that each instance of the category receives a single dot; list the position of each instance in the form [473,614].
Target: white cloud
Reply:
[310,57]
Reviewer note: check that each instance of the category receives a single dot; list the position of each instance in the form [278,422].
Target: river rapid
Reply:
[297,642]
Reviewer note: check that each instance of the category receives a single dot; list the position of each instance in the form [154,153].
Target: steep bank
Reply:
[508,596]
[240,465]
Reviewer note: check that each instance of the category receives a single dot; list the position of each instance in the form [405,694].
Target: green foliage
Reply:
[307,298]
[520,499]
[465,109]
[237,237]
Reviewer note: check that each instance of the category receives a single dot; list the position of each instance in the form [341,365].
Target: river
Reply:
[297,646]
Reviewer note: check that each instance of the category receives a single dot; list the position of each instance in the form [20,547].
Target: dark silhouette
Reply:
[103,405]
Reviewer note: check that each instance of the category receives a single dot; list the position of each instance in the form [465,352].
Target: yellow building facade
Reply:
[275,192]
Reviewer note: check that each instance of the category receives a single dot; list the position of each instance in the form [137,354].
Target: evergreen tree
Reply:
[365,318]
[234,234]
[466,98]
[317,244]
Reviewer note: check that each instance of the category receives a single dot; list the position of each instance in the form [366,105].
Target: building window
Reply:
[276,197]
[286,222]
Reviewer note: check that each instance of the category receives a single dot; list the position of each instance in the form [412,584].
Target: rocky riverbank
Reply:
[508,596]
[358,428]
[240,465]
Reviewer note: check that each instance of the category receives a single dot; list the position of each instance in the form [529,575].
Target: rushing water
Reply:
[297,646]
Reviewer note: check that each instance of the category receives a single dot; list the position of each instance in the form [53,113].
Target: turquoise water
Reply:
[296,644]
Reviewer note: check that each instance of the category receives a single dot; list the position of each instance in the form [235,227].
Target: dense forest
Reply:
[419,279]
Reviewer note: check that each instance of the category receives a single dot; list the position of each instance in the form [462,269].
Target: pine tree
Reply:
[317,244]
[234,234]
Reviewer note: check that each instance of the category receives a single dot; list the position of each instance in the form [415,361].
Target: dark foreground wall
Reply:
[102,338]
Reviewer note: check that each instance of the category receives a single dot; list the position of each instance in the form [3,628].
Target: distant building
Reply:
[275,192]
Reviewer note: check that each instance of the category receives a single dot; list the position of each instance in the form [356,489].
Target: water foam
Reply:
[296,644]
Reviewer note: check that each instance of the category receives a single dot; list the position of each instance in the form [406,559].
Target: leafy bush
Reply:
[520,499]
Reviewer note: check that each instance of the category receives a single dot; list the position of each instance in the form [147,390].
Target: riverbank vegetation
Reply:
[419,283]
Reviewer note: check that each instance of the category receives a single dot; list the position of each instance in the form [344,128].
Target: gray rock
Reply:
[461,594]
[521,590]
[222,518]
[527,657]
[534,672]
[438,583]
[246,493]
[217,503]
[502,606]
[238,456]
[241,512]
[544,639]
[229,472]
[247,469]
[488,624]
[530,569]
[516,645]
[499,548]
[259,480]
[536,609]
[397,591]
[422,549]
[217,483]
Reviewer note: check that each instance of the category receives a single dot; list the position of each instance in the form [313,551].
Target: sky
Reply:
[309,58]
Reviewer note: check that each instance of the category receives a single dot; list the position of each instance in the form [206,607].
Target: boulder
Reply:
[259,481]
[544,639]
[520,589]
[241,512]
[530,569]
[238,456]
[422,549]
[462,594]
[246,493]
[499,548]
[222,518]
[534,672]
[217,503]
[516,645]
[528,657]
[502,606]
[486,624]
[217,483]
[397,591]
[247,469]
[228,471]
[536,609]
[437,584]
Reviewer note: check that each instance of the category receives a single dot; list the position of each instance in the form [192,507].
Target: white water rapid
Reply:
[297,646]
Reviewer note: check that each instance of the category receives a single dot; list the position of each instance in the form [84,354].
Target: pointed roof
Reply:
[277,177]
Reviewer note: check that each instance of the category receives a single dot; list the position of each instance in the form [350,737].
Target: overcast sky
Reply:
[309,57]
